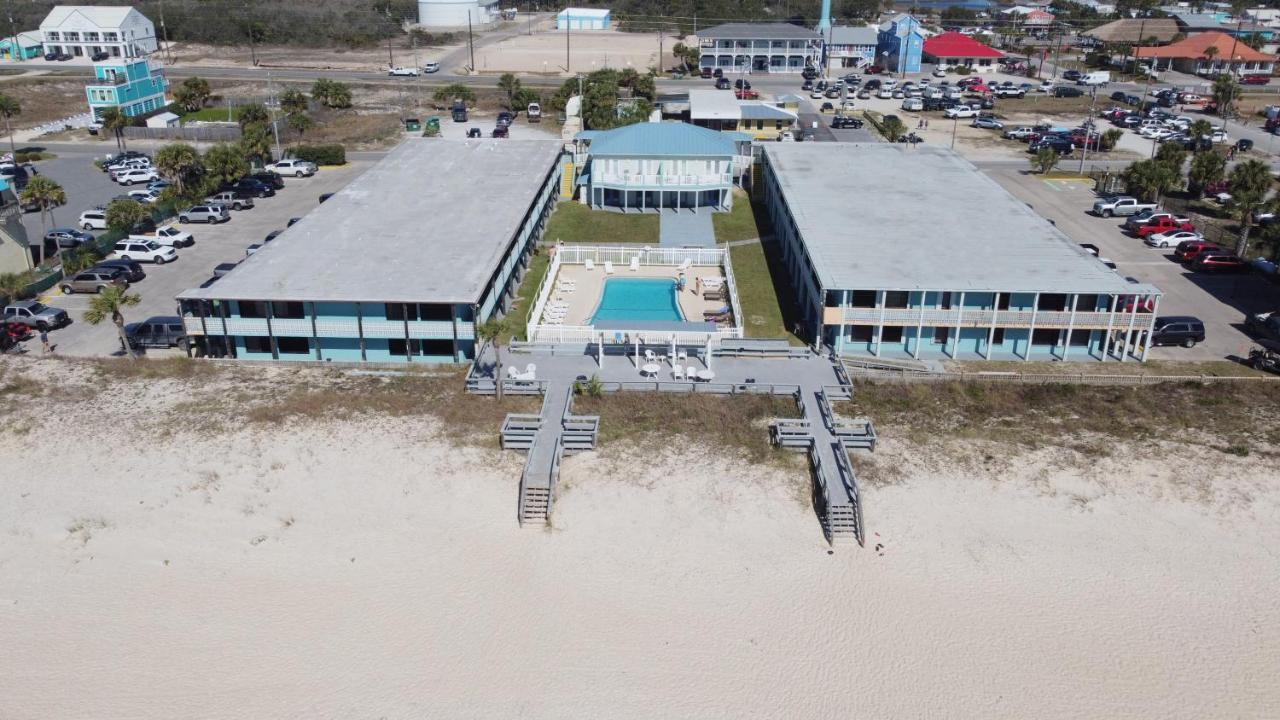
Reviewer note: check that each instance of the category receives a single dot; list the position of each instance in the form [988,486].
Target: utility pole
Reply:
[272,107]
[566,43]
[164,30]
[1084,151]
[660,39]
[391,61]
[253,50]
[15,53]
[471,42]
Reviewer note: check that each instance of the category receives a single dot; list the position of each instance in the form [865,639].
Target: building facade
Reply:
[136,86]
[23,46]
[760,47]
[456,14]
[900,44]
[721,111]
[1191,56]
[951,49]
[851,47]
[369,277]
[668,165]
[87,30]
[583,19]
[939,262]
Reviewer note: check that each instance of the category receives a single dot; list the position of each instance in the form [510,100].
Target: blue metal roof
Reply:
[663,139]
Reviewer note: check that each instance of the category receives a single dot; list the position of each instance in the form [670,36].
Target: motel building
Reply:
[937,261]
[760,47]
[662,165]
[399,266]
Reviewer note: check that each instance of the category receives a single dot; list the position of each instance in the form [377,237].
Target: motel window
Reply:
[863,298]
[435,312]
[759,124]
[257,345]
[861,333]
[1086,303]
[892,334]
[1052,301]
[110,37]
[1002,301]
[287,310]
[896,299]
[940,335]
[293,345]
[944,302]
[1044,336]
[405,348]
[52,36]
[1079,338]
[777,124]
[997,337]
[253,309]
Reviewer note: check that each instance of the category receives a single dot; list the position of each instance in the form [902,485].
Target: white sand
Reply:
[364,570]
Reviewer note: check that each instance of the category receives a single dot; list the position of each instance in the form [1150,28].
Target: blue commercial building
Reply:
[399,266]
[649,166]
[900,44]
[133,85]
[937,261]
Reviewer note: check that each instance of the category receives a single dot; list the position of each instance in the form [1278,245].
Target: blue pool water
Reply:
[638,299]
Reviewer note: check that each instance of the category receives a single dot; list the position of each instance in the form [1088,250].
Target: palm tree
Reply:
[116,121]
[46,193]
[180,163]
[1201,128]
[1044,160]
[1224,93]
[509,84]
[107,304]
[9,109]
[1250,182]
[293,101]
[496,332]
[1148,179]
[253,114]
[225,164]
[1206,169]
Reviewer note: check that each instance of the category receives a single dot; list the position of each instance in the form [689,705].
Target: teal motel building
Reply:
[912,253]
[399,266]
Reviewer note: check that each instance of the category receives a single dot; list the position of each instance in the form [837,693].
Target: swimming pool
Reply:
[638,299]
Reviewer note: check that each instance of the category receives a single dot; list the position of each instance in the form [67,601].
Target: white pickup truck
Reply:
[1120,205]
[168,236]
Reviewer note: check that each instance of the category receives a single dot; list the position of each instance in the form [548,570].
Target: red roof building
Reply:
[1192,56]
[952,48]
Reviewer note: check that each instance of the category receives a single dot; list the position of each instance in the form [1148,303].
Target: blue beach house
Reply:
[900,44]
[133,85]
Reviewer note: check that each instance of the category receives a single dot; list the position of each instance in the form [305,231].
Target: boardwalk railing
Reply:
[622,255]
[1063,378]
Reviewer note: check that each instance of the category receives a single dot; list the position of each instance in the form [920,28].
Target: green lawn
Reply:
[573,222]
[758,292]
[212,114]
[739,224]
[523,305]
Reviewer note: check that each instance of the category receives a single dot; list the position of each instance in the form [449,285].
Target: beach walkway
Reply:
[744,367]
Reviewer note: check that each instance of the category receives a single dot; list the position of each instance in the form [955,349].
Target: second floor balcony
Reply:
[636,180]
[109,80]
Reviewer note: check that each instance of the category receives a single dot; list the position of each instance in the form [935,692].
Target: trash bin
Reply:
[433,124]
[412,124]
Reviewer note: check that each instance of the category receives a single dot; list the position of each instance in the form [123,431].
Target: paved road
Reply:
[86,186]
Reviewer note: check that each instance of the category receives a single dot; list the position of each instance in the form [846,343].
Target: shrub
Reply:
[321,154]
[21,158]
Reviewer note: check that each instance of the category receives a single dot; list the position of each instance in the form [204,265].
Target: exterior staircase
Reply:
[567,178]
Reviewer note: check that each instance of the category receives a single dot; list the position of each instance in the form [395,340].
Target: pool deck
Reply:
[589,287]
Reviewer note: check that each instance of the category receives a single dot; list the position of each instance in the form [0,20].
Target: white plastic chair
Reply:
[608,267]
[591,265]
[677,372]
[635,263]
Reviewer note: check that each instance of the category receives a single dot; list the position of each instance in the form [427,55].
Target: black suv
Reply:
[269,178]
[1071,75]
[132,269]
[722,84]
[840,122]
[1067,92]
[1181,330]
[158,332]
[249,187]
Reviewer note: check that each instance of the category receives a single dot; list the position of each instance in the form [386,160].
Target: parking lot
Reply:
[214,244]
[1220,300]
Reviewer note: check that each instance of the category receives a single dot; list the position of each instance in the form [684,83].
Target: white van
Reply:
[913,104]
[1098,77]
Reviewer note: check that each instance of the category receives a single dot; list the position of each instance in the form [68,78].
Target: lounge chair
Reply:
[635,263]
[512,372]
[530,368]
[688,263]
[715,314]
[591,265]
[717,294]
[677,372]
[608,267]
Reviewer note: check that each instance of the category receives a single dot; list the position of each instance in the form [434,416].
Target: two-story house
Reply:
[900,44]
[135,86]
[650,166]
[89,30]
[851,47]
[760,47]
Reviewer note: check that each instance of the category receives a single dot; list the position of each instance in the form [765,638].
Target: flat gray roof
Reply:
[757,31]
[428,223]
[876,216]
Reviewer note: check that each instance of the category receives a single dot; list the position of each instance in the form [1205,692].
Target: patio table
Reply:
[650,369]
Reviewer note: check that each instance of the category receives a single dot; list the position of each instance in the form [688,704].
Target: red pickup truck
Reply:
[1163,225]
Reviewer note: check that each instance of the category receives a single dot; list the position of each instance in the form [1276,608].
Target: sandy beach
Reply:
[369,566]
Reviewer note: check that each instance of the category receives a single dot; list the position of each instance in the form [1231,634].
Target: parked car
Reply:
[500,131]
[841,122]
[475,133]
[1018,133]
[162,331]
[99,56]
[505,118]
[403,72]
[135,176]
[1189,250]
[294,167]
[146,197]
[431,67]
[68,238]
[37,315]
[268,178]
[144,251]
[1183,330]
[253,187]
[170,235]
[749,94]
[1059,144]
[1009,91]
[229,199]
[1255,79]
[960,111]
[131,269]
[95,219]
[988,122]
[1071,75]
[1172,239]
[204,214]
[1120,205]
[1164,225]
[1065,91]
[272,236]
[1264,325]
[723,84]
[93,280]
[1219,262]
[222,269]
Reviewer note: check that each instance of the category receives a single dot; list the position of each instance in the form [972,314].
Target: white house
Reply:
[576,18]
[87,30]
[457,13]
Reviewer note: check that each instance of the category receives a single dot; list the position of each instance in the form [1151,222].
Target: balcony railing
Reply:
[109,81]
[666,181]
[974,317]
[329,328]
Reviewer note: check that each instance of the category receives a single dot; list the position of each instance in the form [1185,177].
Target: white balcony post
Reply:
[1106,338]
[924,295]
[1071,323]
[1128,334]
[882,301]
[844,305]
[955,350]
[1155,312]
[995,313]
[1031,331]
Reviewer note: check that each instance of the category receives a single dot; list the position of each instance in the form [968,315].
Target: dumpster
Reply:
[412,124]
[433,125]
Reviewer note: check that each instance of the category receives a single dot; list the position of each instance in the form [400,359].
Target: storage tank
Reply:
[450,13]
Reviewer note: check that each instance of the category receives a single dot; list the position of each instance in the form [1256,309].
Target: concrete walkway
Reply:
[686,228]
